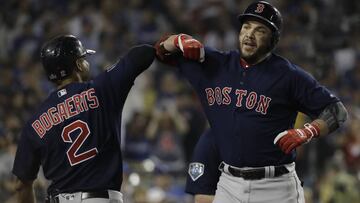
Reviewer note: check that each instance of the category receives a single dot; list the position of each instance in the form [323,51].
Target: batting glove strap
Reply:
[292,138]
[311,130]
[178,40]
[191,48]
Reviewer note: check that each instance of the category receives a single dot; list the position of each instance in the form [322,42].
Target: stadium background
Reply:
[162,117]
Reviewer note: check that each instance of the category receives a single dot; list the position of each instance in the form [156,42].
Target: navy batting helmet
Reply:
[267,14]
[59,56]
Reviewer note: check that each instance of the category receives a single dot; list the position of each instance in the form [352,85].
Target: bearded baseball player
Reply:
[251,97]
[75,133]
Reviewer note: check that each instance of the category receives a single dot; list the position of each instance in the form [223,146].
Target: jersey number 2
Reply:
[73,156]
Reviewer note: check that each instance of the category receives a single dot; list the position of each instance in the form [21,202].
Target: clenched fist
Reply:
[292,138]
[191,48]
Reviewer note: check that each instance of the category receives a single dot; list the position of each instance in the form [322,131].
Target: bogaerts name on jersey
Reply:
[251,99]
[72,106]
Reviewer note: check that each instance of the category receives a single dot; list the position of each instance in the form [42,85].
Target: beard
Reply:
[256,56]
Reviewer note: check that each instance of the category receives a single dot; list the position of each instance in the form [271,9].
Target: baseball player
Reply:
[251,97]
[203,173]
[75,133]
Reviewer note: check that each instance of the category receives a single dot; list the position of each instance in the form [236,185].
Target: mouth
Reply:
[249,45]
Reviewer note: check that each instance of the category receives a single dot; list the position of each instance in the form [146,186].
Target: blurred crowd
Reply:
[162,118]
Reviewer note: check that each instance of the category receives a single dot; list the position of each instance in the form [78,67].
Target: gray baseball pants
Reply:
[283,189]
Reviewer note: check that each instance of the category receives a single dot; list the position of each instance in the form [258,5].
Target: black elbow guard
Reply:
[334,115]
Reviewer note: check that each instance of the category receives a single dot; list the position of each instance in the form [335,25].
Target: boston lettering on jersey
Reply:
[72,106]
[251,99]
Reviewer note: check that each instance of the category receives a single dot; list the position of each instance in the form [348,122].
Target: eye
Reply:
[261,31]
[246,26]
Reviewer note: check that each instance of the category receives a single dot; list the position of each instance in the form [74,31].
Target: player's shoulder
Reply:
[218,57]
[283,63]
[220,54]
[34,119]
[61,95]
[292,70]
[46,103]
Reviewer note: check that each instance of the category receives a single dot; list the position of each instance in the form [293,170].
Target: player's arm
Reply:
[118,79]
[199,198]
[134,62]
[25,191]
[26,165]
[141,57]
[331,118]
[168,45]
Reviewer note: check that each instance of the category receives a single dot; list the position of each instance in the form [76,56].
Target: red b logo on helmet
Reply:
[259,8]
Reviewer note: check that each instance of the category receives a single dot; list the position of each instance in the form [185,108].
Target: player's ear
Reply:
[80,65]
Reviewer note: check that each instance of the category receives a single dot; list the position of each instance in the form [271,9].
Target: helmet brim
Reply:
[243,17]
[90,52]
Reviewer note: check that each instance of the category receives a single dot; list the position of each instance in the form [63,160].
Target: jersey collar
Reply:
[244,64]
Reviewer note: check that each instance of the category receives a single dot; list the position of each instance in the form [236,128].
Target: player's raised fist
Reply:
[292,138]
[191,48]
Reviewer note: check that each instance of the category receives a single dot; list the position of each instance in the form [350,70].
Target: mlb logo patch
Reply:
[196,170]
[61,92]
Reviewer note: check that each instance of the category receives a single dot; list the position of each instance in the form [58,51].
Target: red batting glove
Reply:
[292,138]
[191,48]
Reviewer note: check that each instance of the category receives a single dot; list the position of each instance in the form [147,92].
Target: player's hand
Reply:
[191,48]
[162,54]
[292,138]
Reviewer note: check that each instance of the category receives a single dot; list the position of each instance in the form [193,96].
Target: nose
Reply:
[250,34]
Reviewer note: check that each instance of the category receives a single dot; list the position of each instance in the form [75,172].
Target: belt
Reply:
[84,195]
[255,173]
